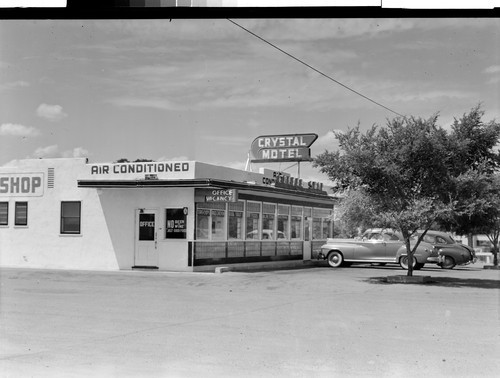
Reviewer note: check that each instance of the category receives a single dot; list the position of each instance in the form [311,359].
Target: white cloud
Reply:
[14,84]
[47,152]
[18,130]
[77,152]
[492,69]
[51,112]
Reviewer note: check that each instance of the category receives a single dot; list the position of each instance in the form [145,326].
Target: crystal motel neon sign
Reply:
[282,148]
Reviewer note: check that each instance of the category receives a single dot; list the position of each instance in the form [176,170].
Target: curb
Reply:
[408,279]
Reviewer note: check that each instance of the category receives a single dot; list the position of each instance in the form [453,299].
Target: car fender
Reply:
[346,248]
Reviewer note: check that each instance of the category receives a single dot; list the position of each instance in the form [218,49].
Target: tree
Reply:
[400,168]
[411,170]
[480,212]
[125,160]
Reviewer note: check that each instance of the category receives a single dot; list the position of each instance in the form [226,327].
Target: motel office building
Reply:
[175,216]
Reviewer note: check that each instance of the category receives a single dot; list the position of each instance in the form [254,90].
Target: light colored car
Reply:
[265,235]
[447,252]
[378,246]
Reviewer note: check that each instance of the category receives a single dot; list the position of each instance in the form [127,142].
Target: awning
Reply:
[202,183]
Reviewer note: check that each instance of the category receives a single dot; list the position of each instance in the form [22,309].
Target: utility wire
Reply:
[316,70]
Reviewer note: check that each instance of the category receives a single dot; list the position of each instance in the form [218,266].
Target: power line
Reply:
[315,69]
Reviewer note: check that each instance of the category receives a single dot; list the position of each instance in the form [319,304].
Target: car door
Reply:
[372,248]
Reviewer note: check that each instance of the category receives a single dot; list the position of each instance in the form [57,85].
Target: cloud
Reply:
[492,69]
[52,151]
[14,84]
[51,112]
[18,130]
[47,152]
[77,152]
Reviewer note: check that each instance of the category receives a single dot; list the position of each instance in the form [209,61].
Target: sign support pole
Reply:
[298,169]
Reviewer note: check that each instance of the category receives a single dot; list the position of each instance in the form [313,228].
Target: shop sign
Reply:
[176,222]
[220,195]
[21,184]
[282,148]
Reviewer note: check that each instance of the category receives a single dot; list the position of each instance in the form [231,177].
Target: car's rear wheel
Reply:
[335,259]
[403,262]
[448,263]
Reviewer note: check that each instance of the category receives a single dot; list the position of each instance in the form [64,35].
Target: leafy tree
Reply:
[412,171]
[480,212]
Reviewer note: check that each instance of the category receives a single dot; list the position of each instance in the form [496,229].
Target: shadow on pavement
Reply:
[446,282]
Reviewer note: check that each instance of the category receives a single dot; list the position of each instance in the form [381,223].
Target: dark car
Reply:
[447,251]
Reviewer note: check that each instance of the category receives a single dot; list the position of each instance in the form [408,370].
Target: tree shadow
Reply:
[445,282]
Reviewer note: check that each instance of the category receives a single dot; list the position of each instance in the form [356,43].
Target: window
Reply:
[235,220]
[70,217]
[268,216]
[4,213]
[21,214]
[210,221]
[253,217]
[296,224]
[283,221]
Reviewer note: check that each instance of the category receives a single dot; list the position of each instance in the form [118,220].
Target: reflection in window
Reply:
[268,220]
[283,221]
[235,220]
[218,226]
[253,217]
[296,225]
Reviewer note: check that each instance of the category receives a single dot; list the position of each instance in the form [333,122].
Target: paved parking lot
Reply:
[311,322]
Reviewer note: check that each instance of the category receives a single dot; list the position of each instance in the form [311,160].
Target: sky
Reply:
[204,89]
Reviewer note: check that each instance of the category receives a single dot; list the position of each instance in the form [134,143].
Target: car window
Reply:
[441,240]
[376,236]
[430,239]
[390,237]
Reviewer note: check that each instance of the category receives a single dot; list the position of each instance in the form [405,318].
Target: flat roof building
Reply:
[170,215]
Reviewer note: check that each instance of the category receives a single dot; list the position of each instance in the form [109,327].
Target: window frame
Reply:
[16,214]
[62,218]
[7,213]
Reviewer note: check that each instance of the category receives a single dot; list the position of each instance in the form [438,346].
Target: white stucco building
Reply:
[175,215]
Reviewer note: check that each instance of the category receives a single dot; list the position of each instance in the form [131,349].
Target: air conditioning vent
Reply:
[50,178]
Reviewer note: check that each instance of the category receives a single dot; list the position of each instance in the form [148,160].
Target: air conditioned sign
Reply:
[21,184]
[281,148]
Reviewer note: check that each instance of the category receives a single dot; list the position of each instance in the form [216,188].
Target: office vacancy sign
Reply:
[281,148]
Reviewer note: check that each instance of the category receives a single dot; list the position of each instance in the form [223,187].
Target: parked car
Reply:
[447,252]
[380,246]
[266,234]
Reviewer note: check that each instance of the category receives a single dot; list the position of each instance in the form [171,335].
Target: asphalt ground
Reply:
[310,322]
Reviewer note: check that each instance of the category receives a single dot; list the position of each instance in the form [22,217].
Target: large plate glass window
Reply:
[296,224]
[210,221]
[283,221]
[252,220]
[268,220]
[70,217]
[235,220]
[21,214]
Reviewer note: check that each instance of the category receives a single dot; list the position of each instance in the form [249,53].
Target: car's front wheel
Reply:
[403,262]
[335,259]
[448,263]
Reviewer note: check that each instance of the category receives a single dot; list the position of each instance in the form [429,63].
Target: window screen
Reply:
[21,214]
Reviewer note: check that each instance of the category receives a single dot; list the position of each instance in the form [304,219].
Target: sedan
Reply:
[448,253]
[377,246]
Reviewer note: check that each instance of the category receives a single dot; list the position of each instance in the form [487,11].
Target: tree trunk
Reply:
[409,252]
